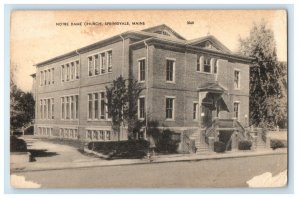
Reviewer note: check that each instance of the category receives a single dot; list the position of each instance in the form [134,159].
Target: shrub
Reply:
[168,142]
[219,147]
[17,145]
[131,149]
[275,143]
[245,145]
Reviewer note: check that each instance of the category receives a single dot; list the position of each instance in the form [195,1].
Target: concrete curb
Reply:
[160,159]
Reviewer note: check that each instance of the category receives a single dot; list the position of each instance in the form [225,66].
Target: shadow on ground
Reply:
[34,153]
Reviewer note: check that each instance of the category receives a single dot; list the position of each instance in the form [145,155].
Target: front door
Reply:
[207,116]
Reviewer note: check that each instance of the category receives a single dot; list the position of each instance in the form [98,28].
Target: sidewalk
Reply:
[32,166]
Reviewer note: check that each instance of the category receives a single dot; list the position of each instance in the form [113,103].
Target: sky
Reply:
[36,36]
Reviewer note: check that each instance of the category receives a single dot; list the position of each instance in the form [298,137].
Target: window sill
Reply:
[99,74]
[171,82]
[96,120]
[170,120]
[141,81]
[200,72]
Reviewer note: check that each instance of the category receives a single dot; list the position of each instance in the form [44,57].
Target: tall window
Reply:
[48,108]
[141,108]
[90,98]
[72,71]
[62,73]
[90,65]
[67,107]
[215,66]
[52,108]
[49,76]
[207,67]
[170,108]
[97,64]
[63,108]
[142,70]
[52,79]
[41,109]
[109,61]
[76,107]
[102,105]
[45,77]
[103,62]
[45,109]
[236,107]
[236,79]
[72,103]
[68,72]
[195,111]
[77,69]
[170,71]
[96,106]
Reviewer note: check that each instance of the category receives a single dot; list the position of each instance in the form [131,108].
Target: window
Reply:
[45,77]
[108,135]
[215,66]
[67,107]
[68,72]
[96,106]
[101,135]
[63,108]
[142,70]
[48,108]
[97,64]
[109,61]
[103,62]
[170,108]
[77,69]
[45,110]
[72,71]
[199,63]
[236,79]
[62,73]
[170,71]
[52,108]
[49,76]
[236,107]
[90,99]
[72,103]
[91,65]
[195,110]
[41,78]
[102,105]
[41,109]
[76,107]
[52,79]
[141,108]
[207,65]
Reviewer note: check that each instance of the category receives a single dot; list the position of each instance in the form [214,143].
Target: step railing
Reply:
[188,144]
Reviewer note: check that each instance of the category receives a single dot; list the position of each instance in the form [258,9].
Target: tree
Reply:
[22,107]
[122,97]
[265,75]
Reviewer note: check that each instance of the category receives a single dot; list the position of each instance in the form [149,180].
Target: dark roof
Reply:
[212,87]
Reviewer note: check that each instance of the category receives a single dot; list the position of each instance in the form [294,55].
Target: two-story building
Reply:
[187,83]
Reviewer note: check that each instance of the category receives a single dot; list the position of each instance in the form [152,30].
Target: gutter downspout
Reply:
[147,86]
[79,89]
[123,53]
[122,73]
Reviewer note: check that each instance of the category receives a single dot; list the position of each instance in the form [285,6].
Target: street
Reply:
[230,172]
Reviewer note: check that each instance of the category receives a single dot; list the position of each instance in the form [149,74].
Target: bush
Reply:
[245,145]
[168,142]
[17,145]
[131,149]
[219,147]
[275,143]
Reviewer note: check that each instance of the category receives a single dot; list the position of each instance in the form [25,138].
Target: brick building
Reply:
[188,83]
